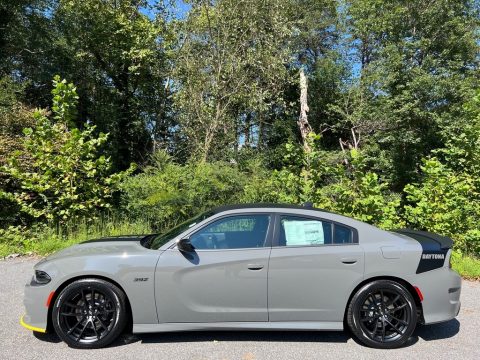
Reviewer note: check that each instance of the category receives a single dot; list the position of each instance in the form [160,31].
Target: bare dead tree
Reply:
[302,122]
[354,144]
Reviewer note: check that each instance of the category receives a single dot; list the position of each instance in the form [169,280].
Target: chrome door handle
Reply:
[349,261]
[255,266]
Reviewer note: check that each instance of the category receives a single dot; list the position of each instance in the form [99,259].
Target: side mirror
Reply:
[184,245]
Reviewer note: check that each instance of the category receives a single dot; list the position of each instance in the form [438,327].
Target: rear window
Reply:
[298,231]
[302,231]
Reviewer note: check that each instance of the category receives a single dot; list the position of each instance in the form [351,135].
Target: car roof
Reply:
[306,206]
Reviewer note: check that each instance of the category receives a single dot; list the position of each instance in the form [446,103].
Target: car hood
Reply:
[120,245]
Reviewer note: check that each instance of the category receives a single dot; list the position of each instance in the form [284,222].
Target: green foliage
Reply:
[418,65]
[207,103]
[360,194]
[22,23]
[296,181]
[44,239]
[346,188]
[230,71]
[447,200]
[463,141]
[67,179]
[116,56]
[14,117]
[446,203]
[467,266]
[167,193]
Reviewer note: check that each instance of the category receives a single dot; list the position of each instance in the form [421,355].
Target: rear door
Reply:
[314,265]
[224,279]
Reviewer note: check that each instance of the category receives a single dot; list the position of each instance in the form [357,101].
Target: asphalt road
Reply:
[456,339]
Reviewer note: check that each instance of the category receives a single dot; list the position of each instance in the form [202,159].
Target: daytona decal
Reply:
[433,256]
[434,249]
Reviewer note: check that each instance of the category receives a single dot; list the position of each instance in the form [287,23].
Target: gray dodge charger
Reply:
[248,267]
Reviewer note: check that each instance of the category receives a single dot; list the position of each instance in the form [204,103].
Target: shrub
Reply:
[168,193]
[360,194]
[67,177]
[14,117]
[447,203]
[320,177]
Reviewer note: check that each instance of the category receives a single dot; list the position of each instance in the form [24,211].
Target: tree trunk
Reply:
[246,129]
[302,122]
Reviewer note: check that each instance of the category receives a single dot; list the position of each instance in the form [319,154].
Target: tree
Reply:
[362,194]
[68,178]
[320,177]
[14,117]
[417,64]
[463,141]
[117,56]
[316,46]
[22,25]
[303,124]
[447,200]
[230,72]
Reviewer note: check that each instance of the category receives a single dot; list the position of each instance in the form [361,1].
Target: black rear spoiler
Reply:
[425,236]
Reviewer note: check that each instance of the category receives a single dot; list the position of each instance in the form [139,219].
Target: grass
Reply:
[468,267]
[46,240]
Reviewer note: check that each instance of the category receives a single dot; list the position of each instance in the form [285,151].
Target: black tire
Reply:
[89,313]
[382,314]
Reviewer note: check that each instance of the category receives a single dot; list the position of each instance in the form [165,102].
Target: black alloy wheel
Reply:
[89,313]
[382,314]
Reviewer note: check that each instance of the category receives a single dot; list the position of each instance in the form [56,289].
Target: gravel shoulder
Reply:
[456,339]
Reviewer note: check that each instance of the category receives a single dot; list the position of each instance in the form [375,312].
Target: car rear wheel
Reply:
[89,313]
[382,314]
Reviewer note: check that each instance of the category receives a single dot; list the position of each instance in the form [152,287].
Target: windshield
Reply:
[159,240]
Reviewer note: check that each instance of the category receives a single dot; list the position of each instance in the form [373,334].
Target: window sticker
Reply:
[303,232]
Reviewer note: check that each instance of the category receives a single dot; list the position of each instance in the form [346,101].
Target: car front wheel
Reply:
[89,313]
[382,314]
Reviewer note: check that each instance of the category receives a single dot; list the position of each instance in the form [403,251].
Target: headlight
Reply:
[40,278]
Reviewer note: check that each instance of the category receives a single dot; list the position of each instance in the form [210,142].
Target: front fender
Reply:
[133,273]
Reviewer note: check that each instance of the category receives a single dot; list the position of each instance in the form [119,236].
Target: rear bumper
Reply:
[441,290]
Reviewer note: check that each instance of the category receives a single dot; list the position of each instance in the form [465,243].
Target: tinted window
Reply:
[159,240]
[343,235]
[295,231]
[233,232]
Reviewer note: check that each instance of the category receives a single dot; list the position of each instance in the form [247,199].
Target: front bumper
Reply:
[30,327]
[441,290]
[36,302]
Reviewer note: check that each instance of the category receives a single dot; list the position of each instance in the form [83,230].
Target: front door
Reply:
[224,279]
